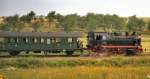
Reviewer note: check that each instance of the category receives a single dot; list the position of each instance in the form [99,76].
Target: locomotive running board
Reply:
[121,46]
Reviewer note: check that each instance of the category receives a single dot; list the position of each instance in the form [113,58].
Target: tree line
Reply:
[73,22]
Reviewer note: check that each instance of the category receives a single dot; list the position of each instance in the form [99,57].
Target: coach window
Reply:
[25,40]
[58,40]
[69,40]
[1,40]
[12,40]
[42,40]
[53,40]
[48,41]
[16,39]
[35,40]
[38,40]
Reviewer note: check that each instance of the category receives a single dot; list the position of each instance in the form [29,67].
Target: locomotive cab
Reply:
[96,38]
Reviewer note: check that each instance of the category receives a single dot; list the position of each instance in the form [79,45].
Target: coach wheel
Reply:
[27,52]
[14,53]
[69,53]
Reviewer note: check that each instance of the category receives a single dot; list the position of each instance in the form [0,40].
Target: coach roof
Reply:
[39,34]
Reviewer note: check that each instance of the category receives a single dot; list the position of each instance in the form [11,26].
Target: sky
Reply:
[81,7]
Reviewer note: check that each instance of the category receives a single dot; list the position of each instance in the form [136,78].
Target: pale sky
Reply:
[42,7]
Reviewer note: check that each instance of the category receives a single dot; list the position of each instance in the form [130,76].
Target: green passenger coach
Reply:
[53,42]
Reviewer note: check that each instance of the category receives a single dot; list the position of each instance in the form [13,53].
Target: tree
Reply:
[118,23]
[82,22]
[141,24]
[91,21]
[59,19]
[148,26]
[12,23]
[51,16]
[70,21]
[135,24]
[109,22]
[28,18]
[31,14]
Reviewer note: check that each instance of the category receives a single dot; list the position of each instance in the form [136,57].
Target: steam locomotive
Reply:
[115,42]
[68,42]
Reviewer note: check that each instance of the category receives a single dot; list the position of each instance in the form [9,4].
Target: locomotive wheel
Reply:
[69,53]
[14,53]
[130,52]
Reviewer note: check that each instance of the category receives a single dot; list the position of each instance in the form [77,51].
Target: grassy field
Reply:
[118,67]
[79,72]
[146,43]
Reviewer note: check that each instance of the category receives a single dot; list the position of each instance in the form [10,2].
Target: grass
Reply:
[146,43]
[33,62]
[79,72]
[119,67]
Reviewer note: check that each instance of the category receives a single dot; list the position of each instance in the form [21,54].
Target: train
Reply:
[69,42]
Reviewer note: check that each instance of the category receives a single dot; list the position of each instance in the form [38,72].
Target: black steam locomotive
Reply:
[115,42]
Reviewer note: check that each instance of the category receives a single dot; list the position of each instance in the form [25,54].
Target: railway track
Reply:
[44,56]
[53,56]
[59,55]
